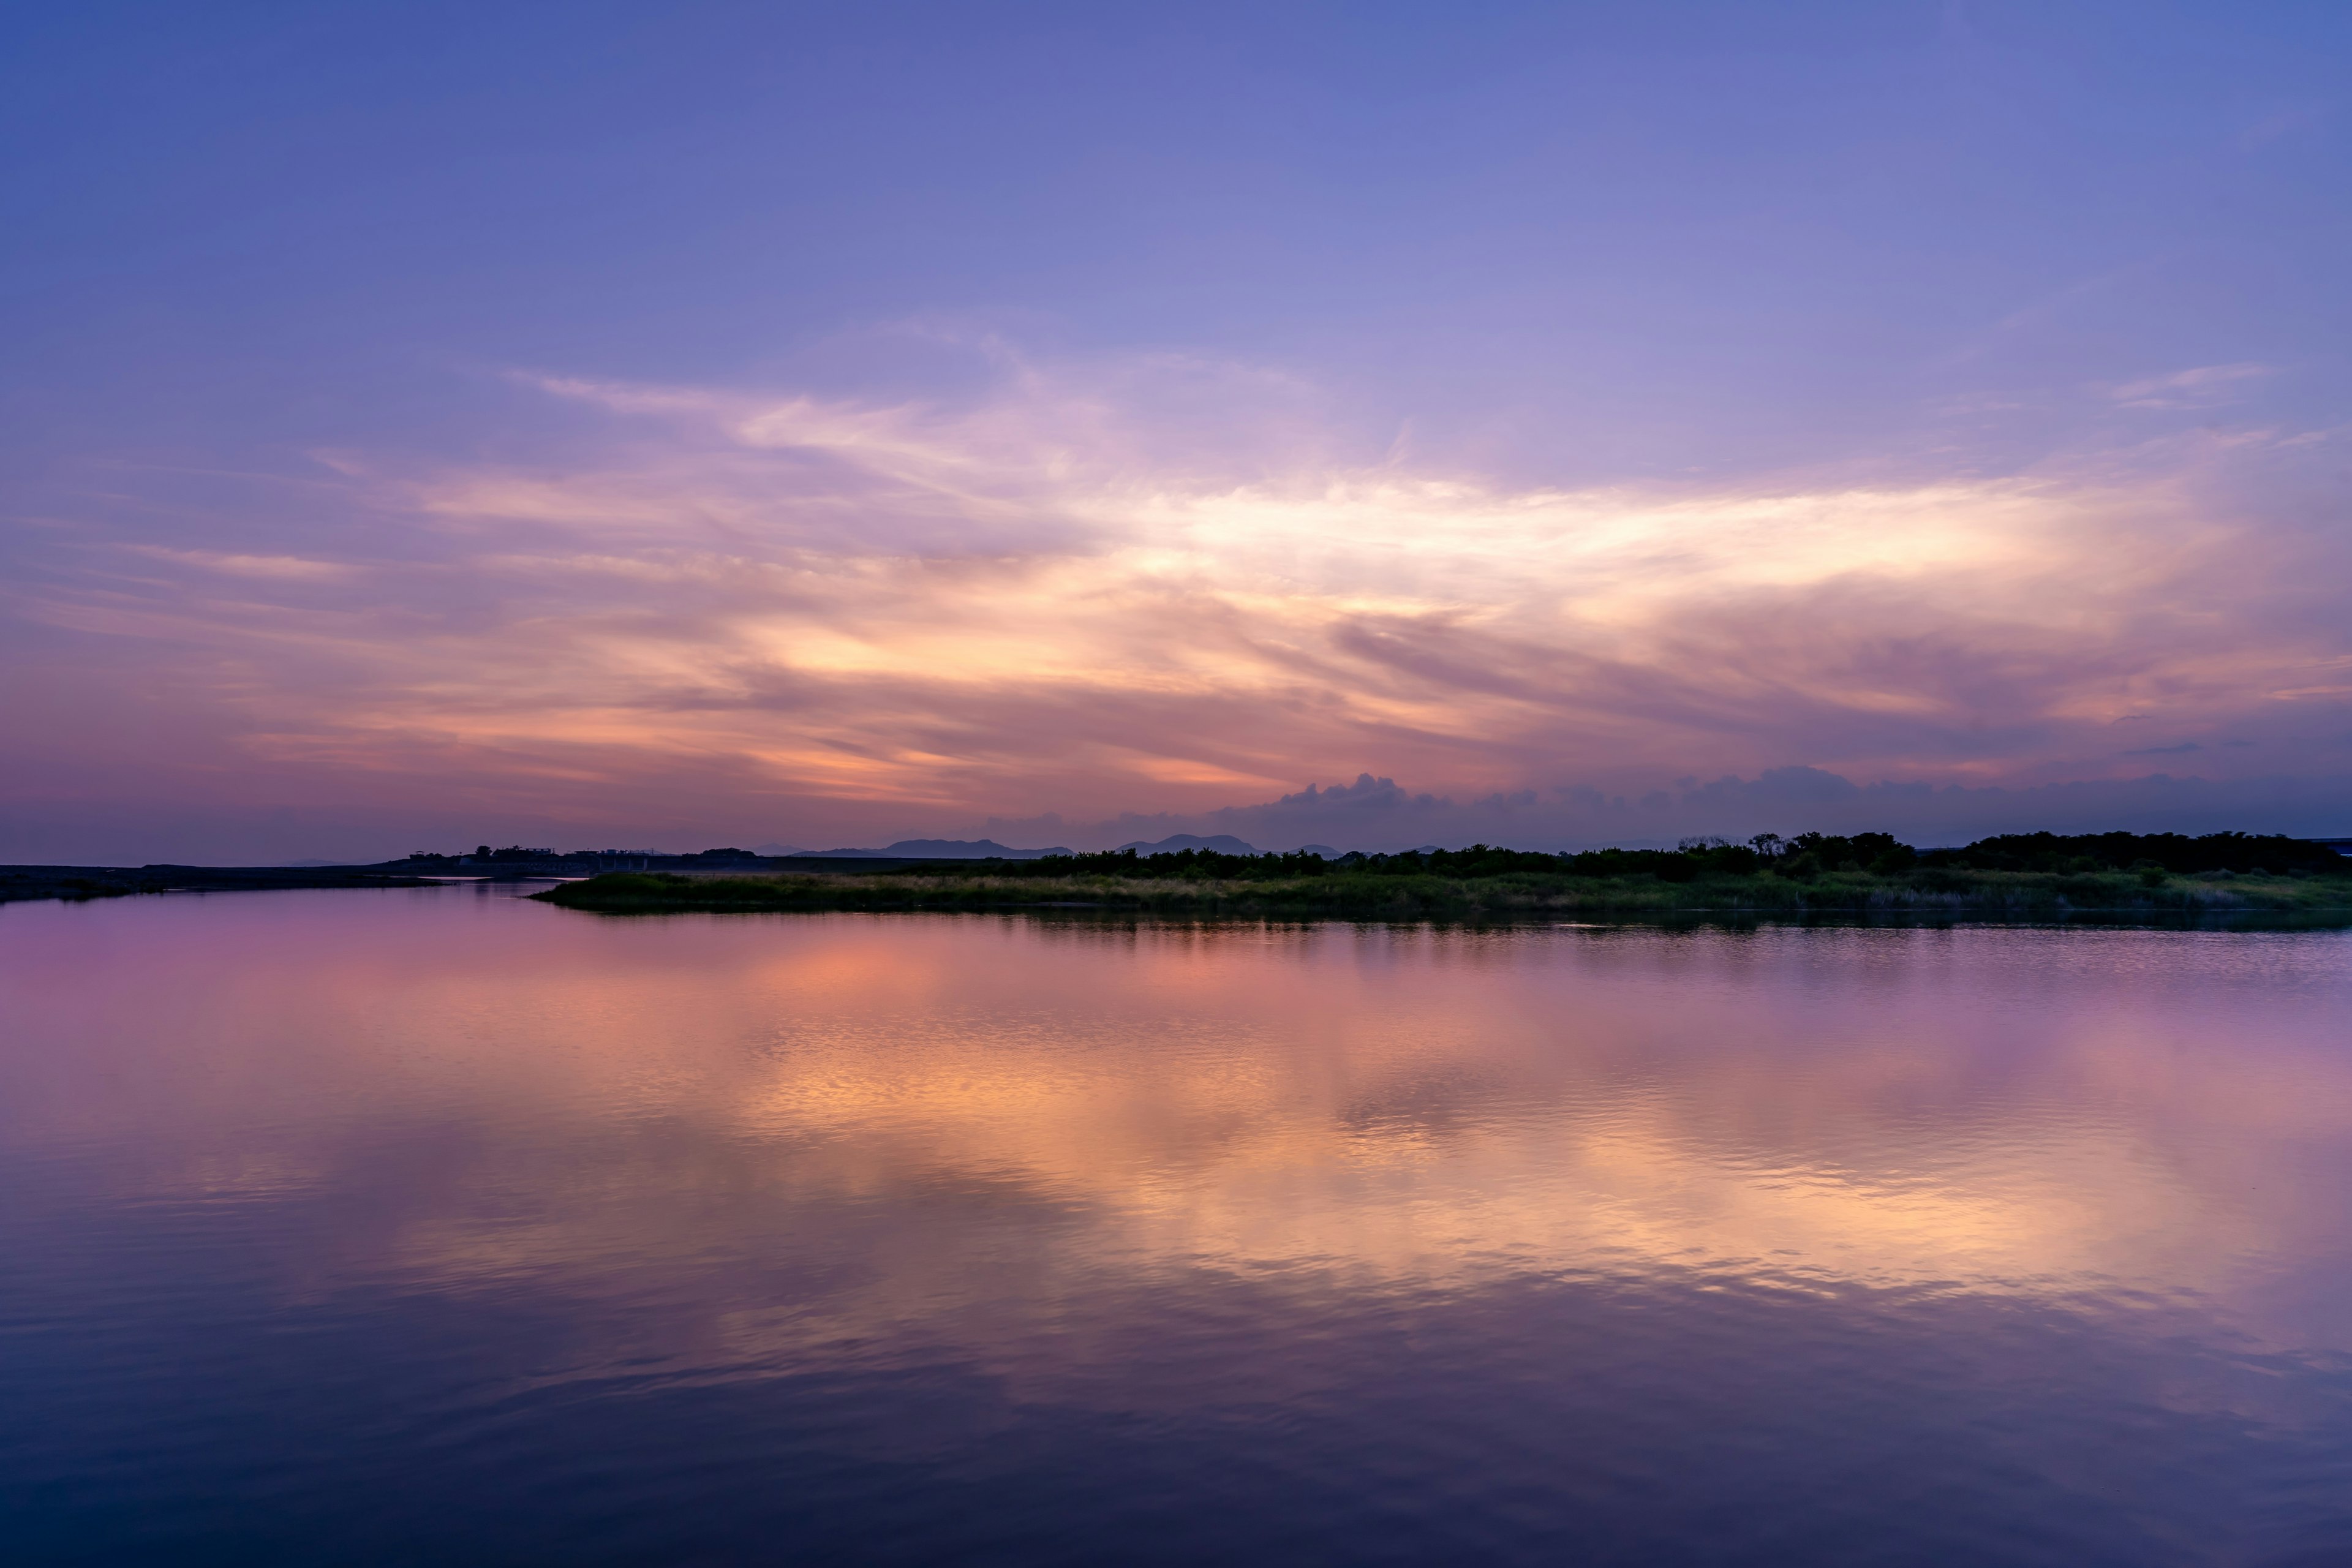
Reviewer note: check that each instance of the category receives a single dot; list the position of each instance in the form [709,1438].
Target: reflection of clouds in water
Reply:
[950,1109]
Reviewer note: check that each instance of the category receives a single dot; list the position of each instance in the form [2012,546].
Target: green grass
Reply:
[1938,893]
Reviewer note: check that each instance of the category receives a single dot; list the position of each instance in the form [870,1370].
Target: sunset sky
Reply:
[1367,425]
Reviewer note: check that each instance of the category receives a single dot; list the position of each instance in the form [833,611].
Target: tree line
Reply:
[1801,856]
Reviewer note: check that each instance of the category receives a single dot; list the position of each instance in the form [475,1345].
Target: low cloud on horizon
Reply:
[1378,815]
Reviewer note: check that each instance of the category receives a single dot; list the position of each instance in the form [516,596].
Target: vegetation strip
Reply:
[77,884]
[2163,877]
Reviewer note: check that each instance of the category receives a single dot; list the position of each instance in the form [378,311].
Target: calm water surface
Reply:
[403,1227]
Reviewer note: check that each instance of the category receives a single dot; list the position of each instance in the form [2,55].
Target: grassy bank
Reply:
[1521,895]
[77,884]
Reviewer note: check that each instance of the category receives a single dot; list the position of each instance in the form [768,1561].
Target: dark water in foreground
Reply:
[371,1227]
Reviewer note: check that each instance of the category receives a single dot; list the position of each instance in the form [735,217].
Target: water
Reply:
[397,1227]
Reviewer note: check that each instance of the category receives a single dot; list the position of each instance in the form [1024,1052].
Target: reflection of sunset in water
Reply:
[2073,1115]
[528,1235]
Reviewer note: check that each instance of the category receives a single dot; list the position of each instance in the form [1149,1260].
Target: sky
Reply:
[1367,425]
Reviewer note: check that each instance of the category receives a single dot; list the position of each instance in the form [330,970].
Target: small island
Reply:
[2219,878]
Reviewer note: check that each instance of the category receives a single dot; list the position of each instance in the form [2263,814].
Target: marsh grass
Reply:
[1940,893]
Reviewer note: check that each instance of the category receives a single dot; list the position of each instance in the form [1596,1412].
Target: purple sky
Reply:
[1555,424]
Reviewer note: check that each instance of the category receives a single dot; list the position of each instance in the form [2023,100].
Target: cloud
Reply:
[1378,813]
[1133,595]
[2205,386]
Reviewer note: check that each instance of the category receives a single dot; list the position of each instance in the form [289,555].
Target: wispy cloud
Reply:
[2205,386]
[910,615]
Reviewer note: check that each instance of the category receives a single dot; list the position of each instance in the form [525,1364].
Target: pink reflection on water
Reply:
[982,1110]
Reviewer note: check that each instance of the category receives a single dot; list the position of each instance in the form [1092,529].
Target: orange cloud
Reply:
[1033,601]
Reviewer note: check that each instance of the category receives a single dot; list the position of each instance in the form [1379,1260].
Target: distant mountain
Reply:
[778,849]
[937,849]
[966,849]
[1220,843]
[1323,850]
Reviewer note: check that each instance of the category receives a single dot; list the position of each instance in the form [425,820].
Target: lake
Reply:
[439,1224]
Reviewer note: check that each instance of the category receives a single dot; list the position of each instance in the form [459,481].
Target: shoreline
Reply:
[1942,897]
[79,884]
